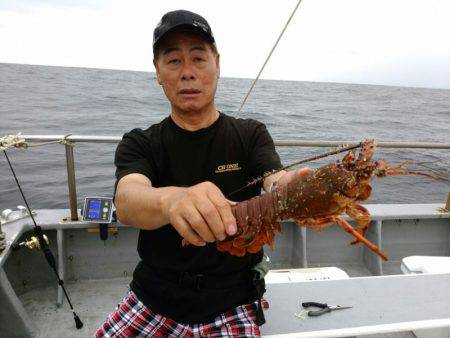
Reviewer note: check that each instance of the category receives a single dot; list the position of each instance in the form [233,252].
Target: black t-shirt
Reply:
[229,153]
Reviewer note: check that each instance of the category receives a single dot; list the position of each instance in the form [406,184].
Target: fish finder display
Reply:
[94,209]
[97,209]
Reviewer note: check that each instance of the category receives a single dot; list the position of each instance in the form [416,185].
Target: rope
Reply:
[10,141]
[17,141]
[268,57]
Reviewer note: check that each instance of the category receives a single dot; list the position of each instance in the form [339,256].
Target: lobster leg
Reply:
[361,215]
[348,228]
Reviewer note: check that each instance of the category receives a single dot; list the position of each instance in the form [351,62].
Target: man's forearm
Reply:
[142,206]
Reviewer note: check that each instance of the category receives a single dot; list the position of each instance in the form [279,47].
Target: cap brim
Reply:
[187,28]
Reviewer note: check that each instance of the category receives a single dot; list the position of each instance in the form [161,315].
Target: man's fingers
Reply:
[185,231]
[290,175]
[204,214]
[198,224]
[304,171]
[224,208]
[211,215]
[299,172]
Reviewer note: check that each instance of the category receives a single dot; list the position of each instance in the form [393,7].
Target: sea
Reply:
[38,100]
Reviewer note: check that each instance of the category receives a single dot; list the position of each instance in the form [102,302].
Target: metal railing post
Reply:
[447,205]
[71,182]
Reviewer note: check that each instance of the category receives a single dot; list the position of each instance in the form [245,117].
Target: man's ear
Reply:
[218,64]
[158,78]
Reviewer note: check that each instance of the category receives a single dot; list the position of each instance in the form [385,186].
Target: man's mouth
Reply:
[189,91]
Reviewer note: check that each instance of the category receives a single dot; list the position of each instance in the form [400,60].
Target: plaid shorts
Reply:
[131,318]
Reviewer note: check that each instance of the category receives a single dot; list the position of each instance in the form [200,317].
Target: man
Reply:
[172,179]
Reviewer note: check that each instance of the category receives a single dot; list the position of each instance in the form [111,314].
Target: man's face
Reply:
[188,70]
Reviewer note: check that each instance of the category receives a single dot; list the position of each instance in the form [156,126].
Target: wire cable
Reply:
[268,57]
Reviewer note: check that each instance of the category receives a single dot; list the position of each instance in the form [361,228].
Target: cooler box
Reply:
[427,264]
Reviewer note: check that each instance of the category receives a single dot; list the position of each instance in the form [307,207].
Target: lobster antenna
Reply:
[437,171]
[440,175]
[330,153]
[435,177]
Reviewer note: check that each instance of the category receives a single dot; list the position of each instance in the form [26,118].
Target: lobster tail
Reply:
[256,223]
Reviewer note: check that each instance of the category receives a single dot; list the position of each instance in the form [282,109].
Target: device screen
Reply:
[94,209]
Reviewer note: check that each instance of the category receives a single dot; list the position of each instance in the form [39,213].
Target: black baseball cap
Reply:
[181,19]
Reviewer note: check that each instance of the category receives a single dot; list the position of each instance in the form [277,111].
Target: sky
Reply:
[384,42]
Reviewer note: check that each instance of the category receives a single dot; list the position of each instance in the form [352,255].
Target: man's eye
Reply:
[173,61]
[199,59]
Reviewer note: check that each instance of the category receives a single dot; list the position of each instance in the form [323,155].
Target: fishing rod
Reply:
[43,245]
[261,178]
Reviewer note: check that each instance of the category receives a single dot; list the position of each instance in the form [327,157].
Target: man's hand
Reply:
[200,213]
[290,175]
[284,177]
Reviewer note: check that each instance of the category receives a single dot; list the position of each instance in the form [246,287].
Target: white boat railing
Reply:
[278,143]
[70,140]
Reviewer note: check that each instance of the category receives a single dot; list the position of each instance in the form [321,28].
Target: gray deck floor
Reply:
[93,301]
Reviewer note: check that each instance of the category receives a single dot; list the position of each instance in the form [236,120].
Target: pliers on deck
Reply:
[325,308]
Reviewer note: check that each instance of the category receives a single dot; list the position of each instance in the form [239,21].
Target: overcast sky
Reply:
[390,42]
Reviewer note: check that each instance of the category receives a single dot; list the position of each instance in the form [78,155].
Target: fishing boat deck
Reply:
[97,274]
[92,299]
[95,299]
[378,305]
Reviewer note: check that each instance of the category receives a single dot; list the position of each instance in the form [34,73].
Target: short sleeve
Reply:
[263,156]
[134,155]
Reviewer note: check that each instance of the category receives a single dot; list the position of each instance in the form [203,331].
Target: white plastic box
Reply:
[427,264]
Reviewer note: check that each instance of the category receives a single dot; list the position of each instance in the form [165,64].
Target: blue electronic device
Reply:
[98,209]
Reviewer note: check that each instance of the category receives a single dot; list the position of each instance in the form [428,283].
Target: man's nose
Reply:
[187,72]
